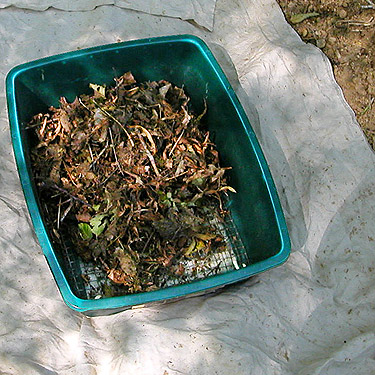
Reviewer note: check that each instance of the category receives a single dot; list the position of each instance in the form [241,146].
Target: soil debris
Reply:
[345,31]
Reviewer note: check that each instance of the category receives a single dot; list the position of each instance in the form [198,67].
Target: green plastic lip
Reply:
[167,293]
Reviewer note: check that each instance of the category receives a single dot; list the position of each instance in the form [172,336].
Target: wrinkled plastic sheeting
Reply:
[313,315]
[200,11]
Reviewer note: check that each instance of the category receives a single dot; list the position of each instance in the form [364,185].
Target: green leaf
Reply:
[297,18]
[85,231]
[96,207]
[191,247]
[200,245]
[162,196]
[97,219]
[199,181]
[98,230]
[98,224]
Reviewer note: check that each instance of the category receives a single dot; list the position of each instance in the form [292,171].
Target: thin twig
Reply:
[108,177]
[57,131]
[370,5]
[91,155]
[114,151]
[58,214]
[356,23]
[67,211]
[41,131]
[106,268]
[62,190]
[198,119]
[115,120]
[69,175]
[148,135]
[173,177]
[368,107]
[148,241]
[66,201]
[149,155]
[98,157]
[37,124]
[176,143]
[84,105]
[137,178]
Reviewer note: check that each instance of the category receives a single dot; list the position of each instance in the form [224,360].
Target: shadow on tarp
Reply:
[208,316]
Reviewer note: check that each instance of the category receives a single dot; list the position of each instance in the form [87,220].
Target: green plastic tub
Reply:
[257,234]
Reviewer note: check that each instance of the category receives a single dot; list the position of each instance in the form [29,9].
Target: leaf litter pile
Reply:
[130,178]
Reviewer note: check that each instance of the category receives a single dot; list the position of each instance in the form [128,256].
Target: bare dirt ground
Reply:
[345,31]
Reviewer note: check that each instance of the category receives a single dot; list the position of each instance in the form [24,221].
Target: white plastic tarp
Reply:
[314,315]
[200,11]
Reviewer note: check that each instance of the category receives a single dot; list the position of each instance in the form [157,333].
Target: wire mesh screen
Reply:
[88,280]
